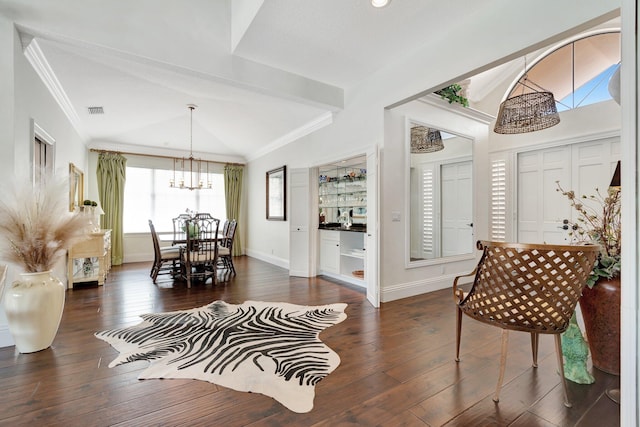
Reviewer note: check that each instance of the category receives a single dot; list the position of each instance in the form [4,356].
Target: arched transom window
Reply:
[577,73]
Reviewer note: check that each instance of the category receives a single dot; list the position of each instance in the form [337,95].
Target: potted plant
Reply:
[36,229]
[453,93]
[598,221]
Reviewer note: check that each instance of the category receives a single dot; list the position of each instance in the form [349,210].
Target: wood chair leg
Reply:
[154,273]
[458,332]
[534,348]
[228,264]
[561,369]
[503,363]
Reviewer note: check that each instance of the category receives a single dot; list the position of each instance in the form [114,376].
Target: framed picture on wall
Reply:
[277,194]
[76,187]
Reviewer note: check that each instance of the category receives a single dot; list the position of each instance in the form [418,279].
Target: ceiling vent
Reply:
[95,110]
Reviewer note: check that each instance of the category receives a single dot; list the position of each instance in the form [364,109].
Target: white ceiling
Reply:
[261,72]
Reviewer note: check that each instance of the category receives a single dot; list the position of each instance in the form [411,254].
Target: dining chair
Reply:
[163,256]
[179,228]
[225,251]
[200,254]
[525,287]
[203,215]
[225,227]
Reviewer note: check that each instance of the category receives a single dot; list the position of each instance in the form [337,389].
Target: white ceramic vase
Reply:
[34,305]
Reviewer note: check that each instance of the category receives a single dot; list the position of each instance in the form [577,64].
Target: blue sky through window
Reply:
[594,91]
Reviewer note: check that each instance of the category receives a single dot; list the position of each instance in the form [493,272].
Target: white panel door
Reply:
[371,265]
[330,251]
[457,213]
[594,164]
[579,167]
[541,209]
[299,220]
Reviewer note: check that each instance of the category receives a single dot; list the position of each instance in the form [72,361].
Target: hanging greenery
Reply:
[452,94]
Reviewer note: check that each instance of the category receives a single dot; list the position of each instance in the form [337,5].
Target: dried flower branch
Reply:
[598,221]
[36,227]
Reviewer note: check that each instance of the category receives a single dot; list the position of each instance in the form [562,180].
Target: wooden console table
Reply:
[97,246]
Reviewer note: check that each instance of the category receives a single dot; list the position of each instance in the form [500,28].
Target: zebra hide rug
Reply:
[260,347]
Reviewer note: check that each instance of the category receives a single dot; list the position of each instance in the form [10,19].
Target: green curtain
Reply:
[111,174]
[233,197]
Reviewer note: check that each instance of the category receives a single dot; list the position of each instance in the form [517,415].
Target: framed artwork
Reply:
[277,194]
[76,187]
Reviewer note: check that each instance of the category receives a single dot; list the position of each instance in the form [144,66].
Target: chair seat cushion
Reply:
[223,252]
[196,256]
[168,255]
[170,249]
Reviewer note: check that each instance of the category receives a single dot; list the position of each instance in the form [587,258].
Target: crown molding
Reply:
[39,62]
[476,115]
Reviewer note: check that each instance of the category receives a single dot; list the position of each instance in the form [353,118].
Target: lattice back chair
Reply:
[525,287]
[200,255]
[180,228]
[162,257]
[225,228]
[203,215]
[226,247]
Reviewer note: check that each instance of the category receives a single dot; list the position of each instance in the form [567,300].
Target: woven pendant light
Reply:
[528,112]
[425,140]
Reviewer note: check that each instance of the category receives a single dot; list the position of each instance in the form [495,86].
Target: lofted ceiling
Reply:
[262,73]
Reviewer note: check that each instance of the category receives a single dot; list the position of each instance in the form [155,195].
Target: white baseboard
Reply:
[410,289]
[141,257]
[280,262]
[6,340]
[358,282]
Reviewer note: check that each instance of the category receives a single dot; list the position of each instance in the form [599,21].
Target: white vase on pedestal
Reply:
[33,305]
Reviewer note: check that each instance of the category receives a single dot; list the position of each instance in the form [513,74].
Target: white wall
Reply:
[363,124]
[25,99]
[7,164]
[397,281]
[602,118]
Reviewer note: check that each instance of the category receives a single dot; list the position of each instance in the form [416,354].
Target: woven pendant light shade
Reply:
[425,140]
[528,112]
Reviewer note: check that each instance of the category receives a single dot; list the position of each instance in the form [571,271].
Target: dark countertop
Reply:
[358,228]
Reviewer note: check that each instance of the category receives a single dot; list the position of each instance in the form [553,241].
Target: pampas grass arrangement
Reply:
[36,227]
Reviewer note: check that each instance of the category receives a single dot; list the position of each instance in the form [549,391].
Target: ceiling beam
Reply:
[242,14]
[228,69]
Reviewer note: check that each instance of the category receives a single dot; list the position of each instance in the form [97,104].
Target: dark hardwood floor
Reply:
[397,365]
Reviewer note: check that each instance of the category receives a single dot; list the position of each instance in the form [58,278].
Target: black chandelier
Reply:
[192,175]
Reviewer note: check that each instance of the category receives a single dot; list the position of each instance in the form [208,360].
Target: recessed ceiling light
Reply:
[380,3]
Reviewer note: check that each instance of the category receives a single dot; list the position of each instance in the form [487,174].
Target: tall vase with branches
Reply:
[36,229]
[599,221]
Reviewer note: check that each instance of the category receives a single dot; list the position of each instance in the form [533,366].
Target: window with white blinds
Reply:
[498,200]
[428,212]
[147,195]
[42,159]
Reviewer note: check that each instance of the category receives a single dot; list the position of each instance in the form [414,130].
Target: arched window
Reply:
[577,73]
